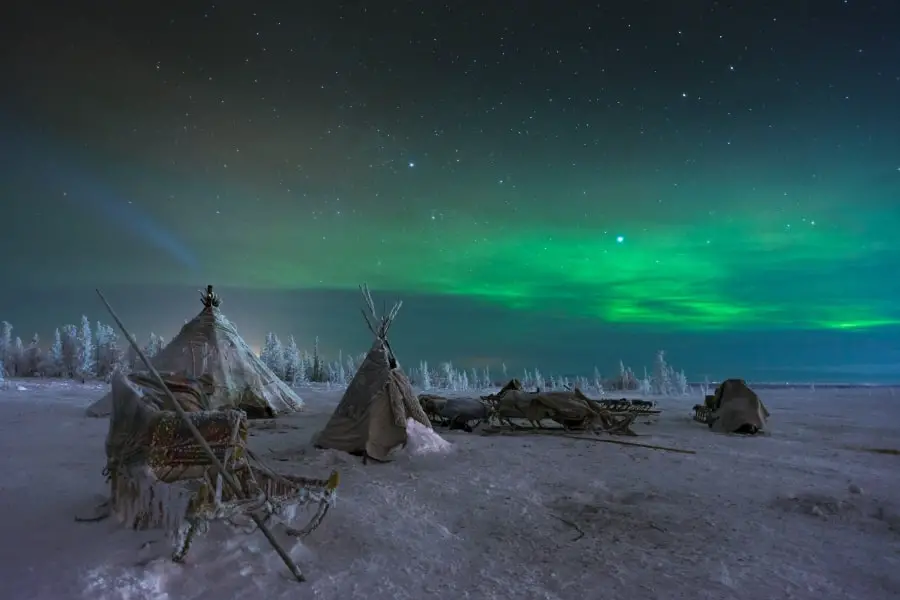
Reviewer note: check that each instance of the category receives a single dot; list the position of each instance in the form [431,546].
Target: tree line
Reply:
[85,352]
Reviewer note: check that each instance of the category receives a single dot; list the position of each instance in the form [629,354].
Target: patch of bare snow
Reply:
[781,515]
[422,440]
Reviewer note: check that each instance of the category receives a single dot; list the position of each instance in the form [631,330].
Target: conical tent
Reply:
[371,417]
[210,346]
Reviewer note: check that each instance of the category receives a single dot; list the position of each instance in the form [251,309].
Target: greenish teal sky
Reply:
[700,181]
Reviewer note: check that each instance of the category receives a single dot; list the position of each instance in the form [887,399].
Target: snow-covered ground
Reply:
[804,512]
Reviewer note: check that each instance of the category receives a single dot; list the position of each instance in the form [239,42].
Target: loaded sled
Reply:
[570,410]
[733,408]
[160,476]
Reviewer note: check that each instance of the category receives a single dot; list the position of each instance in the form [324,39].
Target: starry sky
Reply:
[543,184]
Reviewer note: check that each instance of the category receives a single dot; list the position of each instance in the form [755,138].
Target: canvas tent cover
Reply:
[736,407]
[371,417]
[209,345]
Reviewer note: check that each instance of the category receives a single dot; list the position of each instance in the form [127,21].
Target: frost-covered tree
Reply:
[539,382]
[33,358]
[69,351]
[659,381]
[353,365]
[426,376]
[272,355]
[598,381]
[108,353]
[265,353]
[449,377]
[53,361]
[704,387]
[626,379]
[16,358]
[100,344]
[317,370]
[86,363]
[340,373]
[155,343]
[6,341]
[680,383]
[2,372]
[582,383]
[665,381]
[645,385]
[306,363]
[293,366]
[277,358]
[303,368]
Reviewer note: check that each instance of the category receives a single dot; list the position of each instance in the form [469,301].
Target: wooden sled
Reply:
[703,413]
[571,411]
[627,407]
[165,480]
[603,423]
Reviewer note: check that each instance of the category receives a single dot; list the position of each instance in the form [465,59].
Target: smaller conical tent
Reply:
[210,346]
[737,409]
[371,417]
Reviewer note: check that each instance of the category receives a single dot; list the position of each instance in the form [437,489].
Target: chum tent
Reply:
[371,419]
[208,347]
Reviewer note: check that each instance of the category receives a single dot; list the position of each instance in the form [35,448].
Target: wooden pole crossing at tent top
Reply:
[384,322]
[226,476]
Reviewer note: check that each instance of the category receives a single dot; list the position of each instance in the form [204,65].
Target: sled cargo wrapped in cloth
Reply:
[733,408]
[570,409]
[161,477]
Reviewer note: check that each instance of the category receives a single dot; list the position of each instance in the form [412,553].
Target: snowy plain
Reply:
[807,511]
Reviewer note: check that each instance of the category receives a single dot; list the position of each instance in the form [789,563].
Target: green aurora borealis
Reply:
[708,275]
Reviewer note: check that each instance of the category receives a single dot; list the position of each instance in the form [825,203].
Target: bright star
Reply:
[620,239]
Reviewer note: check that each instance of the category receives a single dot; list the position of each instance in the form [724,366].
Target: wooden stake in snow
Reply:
[226,476]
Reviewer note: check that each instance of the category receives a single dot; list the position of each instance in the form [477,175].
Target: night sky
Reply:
[547,184]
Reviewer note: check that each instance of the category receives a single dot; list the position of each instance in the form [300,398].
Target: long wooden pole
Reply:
[226,476]
[624,443]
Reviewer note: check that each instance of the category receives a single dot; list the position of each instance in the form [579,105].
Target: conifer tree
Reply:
[54,360]
[86,363]
[33,360]
[6,341]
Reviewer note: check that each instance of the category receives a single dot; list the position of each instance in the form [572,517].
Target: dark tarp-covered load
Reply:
[457,413]
[735,408]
